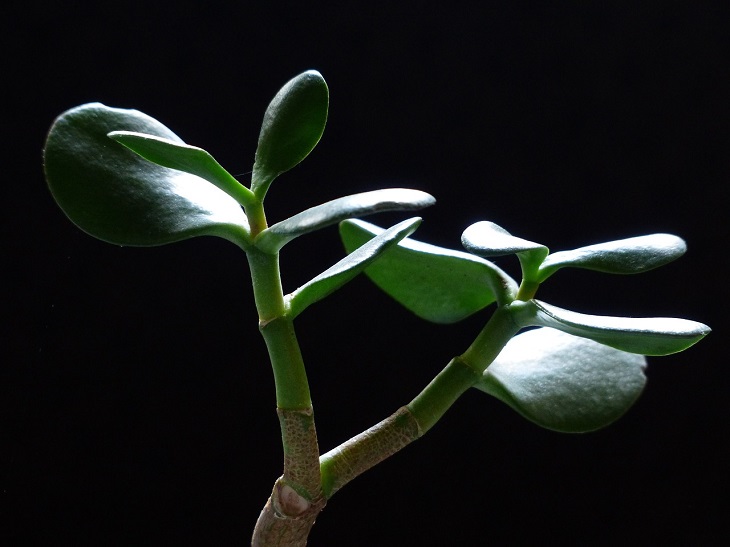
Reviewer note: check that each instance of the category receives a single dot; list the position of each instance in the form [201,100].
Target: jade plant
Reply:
[125,178]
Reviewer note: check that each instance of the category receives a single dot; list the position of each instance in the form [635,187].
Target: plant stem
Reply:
[527,290]
[355,456]
[488,344]
[290,378]
[297,498]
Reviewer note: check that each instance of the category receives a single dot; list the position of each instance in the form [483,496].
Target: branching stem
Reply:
[352,458]
[297,498]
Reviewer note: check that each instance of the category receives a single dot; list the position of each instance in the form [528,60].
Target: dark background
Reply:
[137,407]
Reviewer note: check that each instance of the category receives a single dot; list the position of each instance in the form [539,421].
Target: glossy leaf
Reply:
[332,212]
[625,256]
[293,124]
[335,277]
[643,335]
[437,284]
[183,157]
[487,239]
[115,195]
[563,382]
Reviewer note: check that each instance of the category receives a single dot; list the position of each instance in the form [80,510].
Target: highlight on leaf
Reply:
[563,382]
[437,284]
[487,239]
[643,335]
[624,256]
[276,236]
[346,269]
[183,157]
[117,196]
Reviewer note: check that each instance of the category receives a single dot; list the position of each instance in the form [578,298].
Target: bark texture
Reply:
[297,498]
[354,457]
[286,519]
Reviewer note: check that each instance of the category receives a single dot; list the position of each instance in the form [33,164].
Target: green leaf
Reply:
[335,277]
[625,256]
[643,335]
[293,124]
[487,239]
[563,382]
[117,196]
[275,237]
[436,284]
[183,157]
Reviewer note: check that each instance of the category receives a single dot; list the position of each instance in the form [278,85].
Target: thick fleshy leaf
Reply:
[437,284]
[335,277]
[643,335]
[183,157]
[293,124]
[563,382]
[625,256]
[393,199]
[115,195]
[487,239]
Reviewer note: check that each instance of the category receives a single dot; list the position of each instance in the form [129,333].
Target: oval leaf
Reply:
[625,256]
[487,239]
[437,284]
[563,382]
[293,124]
[275,237]
[335,277]
[643,335]
[183,157]
[115,195]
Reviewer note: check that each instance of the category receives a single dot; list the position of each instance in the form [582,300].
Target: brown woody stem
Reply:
[297,498]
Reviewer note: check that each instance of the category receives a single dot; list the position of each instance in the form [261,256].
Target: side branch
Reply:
[355,456]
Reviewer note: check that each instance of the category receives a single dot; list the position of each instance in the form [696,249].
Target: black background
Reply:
[137,407]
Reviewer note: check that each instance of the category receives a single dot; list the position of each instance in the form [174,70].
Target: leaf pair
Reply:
[437,284]
[580,373]
[155,189]
[445,286]
[625,256]
[119,197]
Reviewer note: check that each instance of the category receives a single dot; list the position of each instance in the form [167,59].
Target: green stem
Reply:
[354,457]
[442,392]
[256,218]
[290,378]
[493,337]
[464,371]
[527,290]
[297,498]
